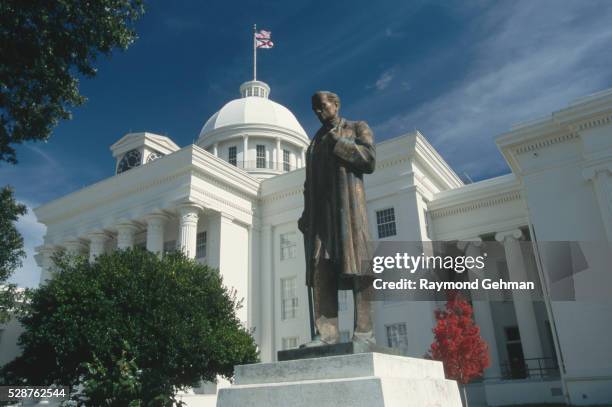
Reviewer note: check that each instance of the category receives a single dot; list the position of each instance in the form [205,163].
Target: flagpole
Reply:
[254,53]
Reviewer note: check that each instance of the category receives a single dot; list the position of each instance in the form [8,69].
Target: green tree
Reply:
[173,318]
[120,385]
[44,47]
[11,249]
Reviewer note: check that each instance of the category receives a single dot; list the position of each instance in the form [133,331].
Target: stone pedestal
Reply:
[358,380]
[338,349]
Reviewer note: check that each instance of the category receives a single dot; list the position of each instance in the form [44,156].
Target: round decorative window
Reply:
[130,160]
[154,156]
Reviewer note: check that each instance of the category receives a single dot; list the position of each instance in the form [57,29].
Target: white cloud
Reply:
[536,58]
[44,174]
[28,275]
[384,80]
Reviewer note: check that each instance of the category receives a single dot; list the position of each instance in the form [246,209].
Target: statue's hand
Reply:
[335,135]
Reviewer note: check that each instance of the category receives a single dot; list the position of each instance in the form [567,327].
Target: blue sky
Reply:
[462,72]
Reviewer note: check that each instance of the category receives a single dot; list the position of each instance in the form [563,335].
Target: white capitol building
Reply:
[232,201]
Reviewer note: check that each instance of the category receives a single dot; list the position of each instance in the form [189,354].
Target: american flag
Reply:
[263,39]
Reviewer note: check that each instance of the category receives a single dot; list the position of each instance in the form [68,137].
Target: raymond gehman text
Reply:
[425,284]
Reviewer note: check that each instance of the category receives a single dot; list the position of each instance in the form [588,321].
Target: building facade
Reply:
[232,201]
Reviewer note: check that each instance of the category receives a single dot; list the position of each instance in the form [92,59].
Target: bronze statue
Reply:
[335,223]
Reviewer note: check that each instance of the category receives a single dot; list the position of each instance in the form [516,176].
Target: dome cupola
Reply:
[255,88]
[256,134]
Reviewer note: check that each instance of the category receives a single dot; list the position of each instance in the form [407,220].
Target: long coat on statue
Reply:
[335,222]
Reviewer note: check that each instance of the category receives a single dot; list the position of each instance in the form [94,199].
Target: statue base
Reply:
[356,380]
[339,349]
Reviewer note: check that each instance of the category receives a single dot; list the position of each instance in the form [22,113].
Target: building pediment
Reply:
[133,141]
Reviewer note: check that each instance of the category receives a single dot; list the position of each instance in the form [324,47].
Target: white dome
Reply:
[253,110]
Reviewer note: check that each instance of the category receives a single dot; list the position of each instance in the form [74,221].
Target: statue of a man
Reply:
[335,223]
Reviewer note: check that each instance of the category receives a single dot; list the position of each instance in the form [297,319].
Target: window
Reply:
[342,300]
[288,245]
[201,245]
[232,155]
[289,300]
[131,159]
[290,342]
[397,337]
[385,220]
[518,367]
[512,333]
[169,246]
[261,156]
[286,162]
[345,336]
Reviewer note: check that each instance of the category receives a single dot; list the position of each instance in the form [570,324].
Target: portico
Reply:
[178,201]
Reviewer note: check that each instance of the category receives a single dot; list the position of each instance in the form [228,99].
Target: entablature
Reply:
[189,174]
[479,208]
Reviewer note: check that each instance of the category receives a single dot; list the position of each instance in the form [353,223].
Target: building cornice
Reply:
[483,203]
[435,164]
[586,111]
[471,197]
[277,196]
[602,120]
[562,126]
[220,201]
[544,142]
[189,161]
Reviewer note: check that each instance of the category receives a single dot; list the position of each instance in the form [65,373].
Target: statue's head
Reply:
[325,105]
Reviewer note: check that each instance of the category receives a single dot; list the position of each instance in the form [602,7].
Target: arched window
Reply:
[131,159]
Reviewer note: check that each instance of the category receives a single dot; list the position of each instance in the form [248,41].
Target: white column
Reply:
[97,244]
[188,229]
[523,304]
[253,283]
[156,223]
[279,155]
[482,310]
[126,232]
[216,149]
[303,157]
[75,247]
[245,151]
[267,296]
[45,254]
